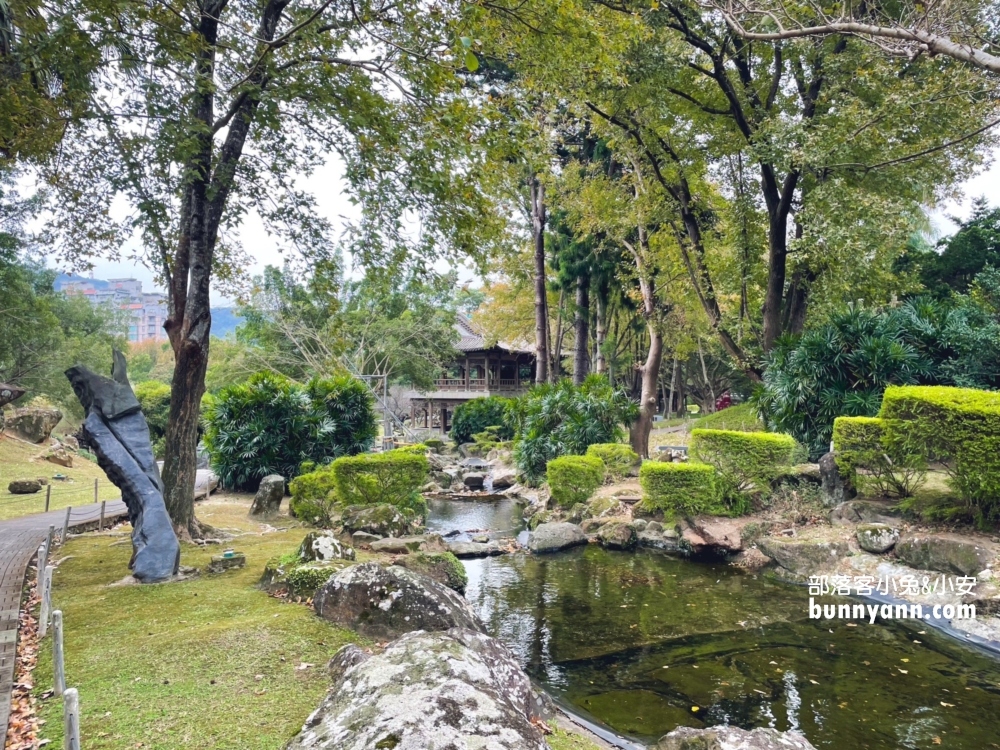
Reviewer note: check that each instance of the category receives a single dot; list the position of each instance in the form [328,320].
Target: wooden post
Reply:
[66,525]
[48,496]
[100,524]
[95,489]
[46,608]
[49,538]
[43,560]
[71,720]
[58,666]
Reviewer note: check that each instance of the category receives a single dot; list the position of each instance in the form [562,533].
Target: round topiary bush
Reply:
[573,479]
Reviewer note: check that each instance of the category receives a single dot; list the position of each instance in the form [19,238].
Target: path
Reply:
[19,540]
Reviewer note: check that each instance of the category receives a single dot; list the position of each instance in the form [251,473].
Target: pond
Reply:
[643,643]
[500,518]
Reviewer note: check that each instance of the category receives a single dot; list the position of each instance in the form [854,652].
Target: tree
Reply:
[214,108]
[961,257]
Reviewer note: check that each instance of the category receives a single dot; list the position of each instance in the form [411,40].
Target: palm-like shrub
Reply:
[476,415]
[563,420]
[271,425]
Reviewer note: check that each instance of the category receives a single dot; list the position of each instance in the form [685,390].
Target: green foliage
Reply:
[270,425]
[745,462]
[394,477]
[562,420]
[959,427]
[573,479]
[618,458]
[439,565]
[860,443]
[742,417]
[154,398]
[421,449]
[303,580]
[476,415]
[683,488]
[313,496]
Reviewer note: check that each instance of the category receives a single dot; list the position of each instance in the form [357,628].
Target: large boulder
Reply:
[24,487]
[457,689]
[731,738]
[836,488]
[269,494]
[552,537]
[323,546]
[474,480]
[617,535]
[59,456]
[803,557]
[463,550]
[443,567]
[947,553]
[381,520]
[720,535]
[504,477]
[33,423]
[387,602]
[862,511]
[402,545]
[876,537]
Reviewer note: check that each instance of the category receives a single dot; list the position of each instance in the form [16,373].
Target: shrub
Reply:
[394,477]
[685,488]
[419,449]
[860,444]
[314,496]
[618,458]
[573,479]
[478,414]
[564,420]
[742,417]
[959,427]
[744,461]
[154,398]
[303,580]
[270,425]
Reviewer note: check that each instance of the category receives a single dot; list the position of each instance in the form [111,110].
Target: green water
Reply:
[644,643]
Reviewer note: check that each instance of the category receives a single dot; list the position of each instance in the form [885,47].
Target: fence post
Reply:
[58,666]
[66,525]
[71,720]
[48,496]
[46,608]
[43,560]
[95,489]
[100,524]
[48,540]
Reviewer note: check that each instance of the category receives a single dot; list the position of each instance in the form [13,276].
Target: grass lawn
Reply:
[17,461]
[208,663]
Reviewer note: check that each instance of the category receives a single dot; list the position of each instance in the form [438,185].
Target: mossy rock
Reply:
[543,516]
[382,519]
[299,579]
[600,505]
[578,513]
[443,567]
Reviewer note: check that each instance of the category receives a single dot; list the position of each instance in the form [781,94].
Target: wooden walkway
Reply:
[19,541]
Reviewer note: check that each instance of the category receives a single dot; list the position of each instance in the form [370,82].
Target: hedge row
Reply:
[865,454]
[745,461]
[684,488]
[618,458]
[573,479]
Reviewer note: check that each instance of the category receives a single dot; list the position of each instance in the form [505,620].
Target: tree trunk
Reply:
[581,354]
[708,383]
[650,372]
[673,385]
[555,368]
[541,302]
[600,362]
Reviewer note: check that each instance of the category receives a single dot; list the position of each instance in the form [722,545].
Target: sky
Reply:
[328,187]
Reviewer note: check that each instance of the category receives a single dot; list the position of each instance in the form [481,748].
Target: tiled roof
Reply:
[471,340]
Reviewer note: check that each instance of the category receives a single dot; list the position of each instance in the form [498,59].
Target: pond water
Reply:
[500,518]
[643,643]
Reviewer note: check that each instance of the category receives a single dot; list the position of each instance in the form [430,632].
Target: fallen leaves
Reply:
[22,728]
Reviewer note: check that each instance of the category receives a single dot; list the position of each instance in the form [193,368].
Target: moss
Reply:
[305,579]
[443,567]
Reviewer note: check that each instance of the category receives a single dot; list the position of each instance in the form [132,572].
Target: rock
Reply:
[299,579]
[205,482]
[474,480]
[382,519]
[861,511]
[603,506]
[443,567]
[116,431]
[363,537]
[33,423]
[8,394]
[504,478]
[323,546]
[720,534]
[469,450]
[876,537]
[836,489]
[655,526]
[640,524]
[221,563]
[24,487]
[456,689]
[947,553]
[617,535]
[70,442]
[475,549]
[803,558]
[387,602]
[731,738]
[552,537]
[591,525]
[656,540]
[269,494]
[808,473]
[403,545]
[43,480]
[475,463]
[578,513]
[431,488]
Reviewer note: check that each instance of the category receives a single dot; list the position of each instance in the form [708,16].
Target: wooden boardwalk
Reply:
[19,541]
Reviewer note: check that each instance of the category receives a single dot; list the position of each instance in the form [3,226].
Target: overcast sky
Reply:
[328,188]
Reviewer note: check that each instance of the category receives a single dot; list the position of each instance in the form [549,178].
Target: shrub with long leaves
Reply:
[271,425]
[564,420]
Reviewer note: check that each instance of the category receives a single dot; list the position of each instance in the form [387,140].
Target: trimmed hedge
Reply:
[685,488]
[573,479]
[861,443]
[742,417]
[314,497]
[743,460]
[959,427]
[393,477]
[617,457]
[476,415]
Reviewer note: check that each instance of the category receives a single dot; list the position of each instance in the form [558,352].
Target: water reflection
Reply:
[497,519]
[644,643]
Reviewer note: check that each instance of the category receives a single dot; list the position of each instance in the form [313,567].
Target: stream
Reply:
[642,643]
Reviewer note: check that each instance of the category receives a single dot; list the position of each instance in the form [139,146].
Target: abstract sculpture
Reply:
[9,393]
[118,433]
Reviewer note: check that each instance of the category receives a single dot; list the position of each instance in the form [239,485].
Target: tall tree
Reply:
[214,108]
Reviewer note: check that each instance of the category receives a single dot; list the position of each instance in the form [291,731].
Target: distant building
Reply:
[147,310]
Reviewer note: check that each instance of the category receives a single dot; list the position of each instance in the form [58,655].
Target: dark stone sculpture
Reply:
[9,393]
[117,432]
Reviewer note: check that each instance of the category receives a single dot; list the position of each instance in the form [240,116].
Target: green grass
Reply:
[741,417]
[18,460]
[562,739]
[175,665]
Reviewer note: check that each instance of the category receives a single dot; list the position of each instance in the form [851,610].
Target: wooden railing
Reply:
[483,384]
